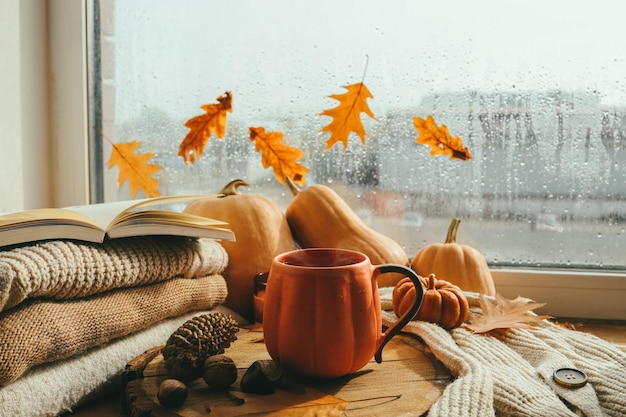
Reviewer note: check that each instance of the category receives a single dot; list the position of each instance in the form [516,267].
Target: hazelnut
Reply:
[220,371]
[172,392]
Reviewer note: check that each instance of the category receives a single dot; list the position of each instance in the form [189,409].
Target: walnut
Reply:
[220,372]
[195,340]
[172,392]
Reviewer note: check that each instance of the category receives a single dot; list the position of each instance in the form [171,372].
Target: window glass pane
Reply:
[536,91]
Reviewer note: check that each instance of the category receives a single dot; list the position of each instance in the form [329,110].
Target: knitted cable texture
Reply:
[66,269]
[41,331]
[510,373]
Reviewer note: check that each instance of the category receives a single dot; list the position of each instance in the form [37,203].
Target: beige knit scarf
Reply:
[511,373]
[65,269]
[41,331]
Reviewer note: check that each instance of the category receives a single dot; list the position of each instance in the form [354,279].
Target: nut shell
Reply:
[172,392]
[262,377]
[220,372]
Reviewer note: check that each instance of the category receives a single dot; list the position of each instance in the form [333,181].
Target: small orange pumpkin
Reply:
[444,303]
[461,265]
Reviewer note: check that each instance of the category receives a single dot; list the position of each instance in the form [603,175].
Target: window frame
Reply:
[68,104]
[567,293]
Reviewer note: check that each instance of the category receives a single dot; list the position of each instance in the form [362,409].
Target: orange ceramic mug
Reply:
[322,315]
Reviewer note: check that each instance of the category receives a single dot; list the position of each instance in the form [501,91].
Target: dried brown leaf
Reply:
[328,405]
[504,314]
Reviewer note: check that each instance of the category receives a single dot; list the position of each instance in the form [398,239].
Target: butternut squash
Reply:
[319,218]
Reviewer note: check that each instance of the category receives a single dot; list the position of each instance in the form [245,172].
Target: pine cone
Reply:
[195,340]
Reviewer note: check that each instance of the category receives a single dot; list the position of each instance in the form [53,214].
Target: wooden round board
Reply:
[406,383]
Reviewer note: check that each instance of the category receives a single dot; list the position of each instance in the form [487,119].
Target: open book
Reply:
[97,222]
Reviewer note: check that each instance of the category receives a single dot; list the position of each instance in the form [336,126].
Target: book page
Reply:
[50,230]
[142,206]
[170,217]
[137,220]
[44,215]
[104,214]
[108,214]
[47,223]
[147,228]
[92,222]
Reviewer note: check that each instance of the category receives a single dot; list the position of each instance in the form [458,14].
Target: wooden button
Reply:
[570,377]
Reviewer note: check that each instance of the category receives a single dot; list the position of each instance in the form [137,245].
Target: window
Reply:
[534,89]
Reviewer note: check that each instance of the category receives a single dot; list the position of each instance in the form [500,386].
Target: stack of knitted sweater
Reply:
[72,314]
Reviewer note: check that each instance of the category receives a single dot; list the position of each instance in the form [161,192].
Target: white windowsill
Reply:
[580,294]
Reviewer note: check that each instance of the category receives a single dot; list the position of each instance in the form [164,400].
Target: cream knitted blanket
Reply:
[511,373]
[66,269]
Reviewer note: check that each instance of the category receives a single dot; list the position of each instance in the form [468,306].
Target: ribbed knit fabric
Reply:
[545,359]
[40,331]
[510,373]
[471,394]
[66,269]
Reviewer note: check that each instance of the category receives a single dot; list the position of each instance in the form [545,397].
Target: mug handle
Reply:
[402,321]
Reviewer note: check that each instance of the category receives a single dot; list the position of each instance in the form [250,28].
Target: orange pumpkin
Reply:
[261,231]
[444,303]
[461,265]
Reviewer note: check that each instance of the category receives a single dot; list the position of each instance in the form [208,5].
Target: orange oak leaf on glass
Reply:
[347,115]
[439,139]
[278,155]
[201,127]
[134,168]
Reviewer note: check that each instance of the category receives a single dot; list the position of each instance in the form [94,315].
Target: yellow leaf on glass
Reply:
[278,155]
[439,139]
[347,115]
[134,168]
[213,121]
